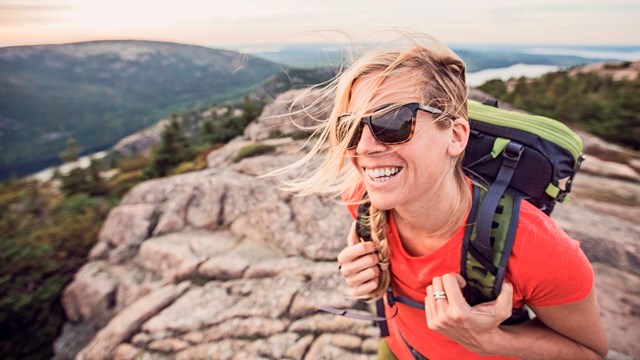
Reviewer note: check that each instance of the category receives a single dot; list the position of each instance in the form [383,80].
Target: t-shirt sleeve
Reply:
[550,268]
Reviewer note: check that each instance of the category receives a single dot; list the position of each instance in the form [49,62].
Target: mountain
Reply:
[478,57]
[101,91]
[221,264]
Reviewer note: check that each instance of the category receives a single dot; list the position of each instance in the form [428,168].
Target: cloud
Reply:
[14,13]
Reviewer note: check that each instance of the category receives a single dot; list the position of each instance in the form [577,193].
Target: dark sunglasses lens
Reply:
[394,126]
[356,137]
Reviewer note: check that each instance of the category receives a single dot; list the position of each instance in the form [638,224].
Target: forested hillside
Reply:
[98,92]
[591,100]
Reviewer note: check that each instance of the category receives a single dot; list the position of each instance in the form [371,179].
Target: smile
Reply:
[382,174]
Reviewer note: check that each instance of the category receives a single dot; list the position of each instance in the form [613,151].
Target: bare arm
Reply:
[570,331]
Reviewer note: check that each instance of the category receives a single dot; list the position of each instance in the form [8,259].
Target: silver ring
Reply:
[439,295]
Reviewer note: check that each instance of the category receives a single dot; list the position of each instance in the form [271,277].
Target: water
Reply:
[514,71]
[83,162]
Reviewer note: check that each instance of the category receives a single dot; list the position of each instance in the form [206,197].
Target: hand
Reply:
[359,264]
[469,326]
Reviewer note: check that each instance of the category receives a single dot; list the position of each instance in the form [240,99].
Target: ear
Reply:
[459,137]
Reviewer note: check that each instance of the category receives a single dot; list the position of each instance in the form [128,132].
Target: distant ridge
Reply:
[101,91]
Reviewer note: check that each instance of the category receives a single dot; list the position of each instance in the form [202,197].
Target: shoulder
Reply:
[536,228]
[547,264]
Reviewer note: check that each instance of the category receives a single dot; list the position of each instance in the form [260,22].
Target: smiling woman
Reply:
[394,143]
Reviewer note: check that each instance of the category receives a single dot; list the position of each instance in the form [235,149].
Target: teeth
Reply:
[382,174]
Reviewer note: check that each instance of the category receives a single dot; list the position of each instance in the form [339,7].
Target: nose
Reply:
[368,144]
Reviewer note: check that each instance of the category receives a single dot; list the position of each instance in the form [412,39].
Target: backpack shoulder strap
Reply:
[485,269]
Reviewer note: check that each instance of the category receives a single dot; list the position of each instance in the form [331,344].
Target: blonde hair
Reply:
[439,75]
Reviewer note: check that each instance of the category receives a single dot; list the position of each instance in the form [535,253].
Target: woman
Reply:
[420,199]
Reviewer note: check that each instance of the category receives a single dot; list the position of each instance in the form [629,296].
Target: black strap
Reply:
[345,313]
[511,157]
[384,328]
[416,355]
[392,299]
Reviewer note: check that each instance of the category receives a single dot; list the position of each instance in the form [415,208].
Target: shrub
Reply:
[253,150]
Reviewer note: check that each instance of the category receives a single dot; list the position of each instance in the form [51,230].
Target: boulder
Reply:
[595,166]
[127,321]
[90,297]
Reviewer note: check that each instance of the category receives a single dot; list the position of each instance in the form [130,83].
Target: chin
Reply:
[380,202]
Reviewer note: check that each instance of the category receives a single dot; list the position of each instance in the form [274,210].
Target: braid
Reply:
[378,222]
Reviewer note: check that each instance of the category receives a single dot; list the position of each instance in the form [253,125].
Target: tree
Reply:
[208,132]
[87,181]
[174,149]
[72,153]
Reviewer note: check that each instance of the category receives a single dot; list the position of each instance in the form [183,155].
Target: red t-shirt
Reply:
[546,268]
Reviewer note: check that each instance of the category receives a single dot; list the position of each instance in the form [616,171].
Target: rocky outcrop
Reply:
[141,141]
[221,264]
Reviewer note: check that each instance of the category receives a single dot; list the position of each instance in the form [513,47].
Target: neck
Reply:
[423,221]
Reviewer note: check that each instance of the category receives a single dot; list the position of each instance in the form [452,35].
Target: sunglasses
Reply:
[392,127]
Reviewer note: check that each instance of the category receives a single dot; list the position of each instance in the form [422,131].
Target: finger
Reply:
[461,281]
[457,305]
[359,264]
[353,238]
[365,289]
[350,253]
[504,302]
[430,306]
[441,304]
[363,276]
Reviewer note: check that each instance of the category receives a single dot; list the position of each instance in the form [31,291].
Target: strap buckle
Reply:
[512,153]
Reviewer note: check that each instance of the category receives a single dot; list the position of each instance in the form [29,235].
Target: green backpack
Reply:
[513,156]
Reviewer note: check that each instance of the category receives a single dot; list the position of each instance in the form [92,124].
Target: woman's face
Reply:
[416,169]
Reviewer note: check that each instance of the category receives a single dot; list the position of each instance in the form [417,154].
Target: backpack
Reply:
[510,156]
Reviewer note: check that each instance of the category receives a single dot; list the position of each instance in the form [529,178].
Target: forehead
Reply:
[367,93]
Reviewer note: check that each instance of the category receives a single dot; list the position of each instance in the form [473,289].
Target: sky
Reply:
[233,22]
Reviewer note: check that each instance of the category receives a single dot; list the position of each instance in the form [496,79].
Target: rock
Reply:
[245,193]
[168,345]
[297,350]
[325,323]
[74,337]
[290,113]
[141,339]
[257,298]
[235,262]
[275,346]
[174,213]
[100,251]
[133,283]
[324,225]
[595,166]
[126,227]
[142,141]
[91,295]
[329,346]
[225,155]
[596,147]
[604,238]
[127,321]
[327,291]
[178,255]
[126,352]
[199,307]
[370,346]
[221,350]
[243,328]
[619,300]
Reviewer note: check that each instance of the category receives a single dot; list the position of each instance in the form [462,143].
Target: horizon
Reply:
[622,52]
[541,22]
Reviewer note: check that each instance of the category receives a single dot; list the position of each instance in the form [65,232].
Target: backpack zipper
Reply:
[544,127]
